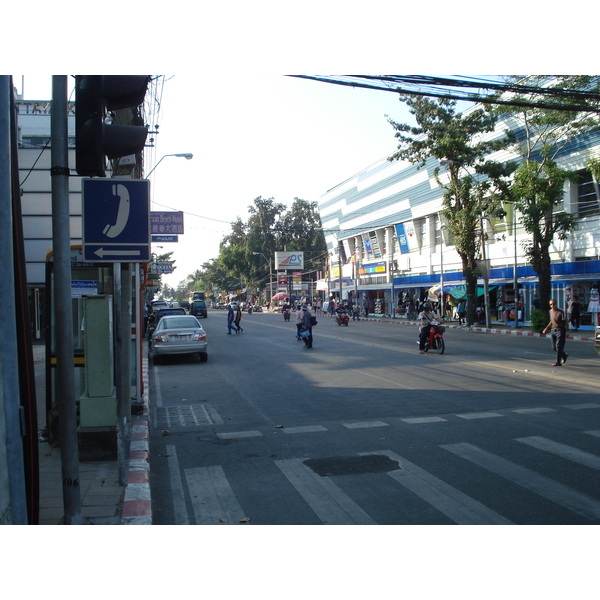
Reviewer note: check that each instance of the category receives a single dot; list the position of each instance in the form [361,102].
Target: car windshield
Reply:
[179,323]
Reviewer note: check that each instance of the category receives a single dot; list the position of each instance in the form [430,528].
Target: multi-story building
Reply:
[385,233]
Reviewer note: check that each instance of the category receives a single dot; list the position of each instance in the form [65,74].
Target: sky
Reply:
[252,130]
[267,135]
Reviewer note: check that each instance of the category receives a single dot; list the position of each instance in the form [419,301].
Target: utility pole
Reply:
[63,313]
[10,415]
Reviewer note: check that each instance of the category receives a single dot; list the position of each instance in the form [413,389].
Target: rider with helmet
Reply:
[426,317]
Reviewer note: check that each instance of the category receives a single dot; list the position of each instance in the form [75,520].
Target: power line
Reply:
[435,86]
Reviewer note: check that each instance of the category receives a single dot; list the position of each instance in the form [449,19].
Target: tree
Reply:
[459,139]
[539,182]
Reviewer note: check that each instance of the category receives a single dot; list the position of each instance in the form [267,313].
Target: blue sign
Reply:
[402,241]
[165,238]
[116,220]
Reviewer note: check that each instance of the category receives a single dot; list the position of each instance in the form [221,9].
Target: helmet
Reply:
[426,306]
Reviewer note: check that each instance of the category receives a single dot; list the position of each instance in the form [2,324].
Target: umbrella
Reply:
[280,296]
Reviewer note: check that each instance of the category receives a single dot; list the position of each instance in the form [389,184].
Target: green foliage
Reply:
[539,182]
[539,320]
[477,186]
[269,228]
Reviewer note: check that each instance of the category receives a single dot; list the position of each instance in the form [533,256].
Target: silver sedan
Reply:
[179,334]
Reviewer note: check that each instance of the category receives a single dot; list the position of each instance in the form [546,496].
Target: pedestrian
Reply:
[535,303]
[230,320]
[425,319]
[366,307]
[307,325]
[238,318]
[559,333]
[299,320]
[575,313]
[460,309]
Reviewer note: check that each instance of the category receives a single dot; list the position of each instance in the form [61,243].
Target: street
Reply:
[361,429]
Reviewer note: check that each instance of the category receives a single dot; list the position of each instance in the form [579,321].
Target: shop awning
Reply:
[460,291]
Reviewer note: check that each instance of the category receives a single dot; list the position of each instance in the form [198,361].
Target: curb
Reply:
[137,506]
[522,332]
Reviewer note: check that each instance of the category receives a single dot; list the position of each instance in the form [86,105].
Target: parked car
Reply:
[156,304]
[597,339]
[159,313]
[185,304]
[198,309]
[178,334]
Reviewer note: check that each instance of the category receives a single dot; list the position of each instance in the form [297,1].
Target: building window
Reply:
[588,201]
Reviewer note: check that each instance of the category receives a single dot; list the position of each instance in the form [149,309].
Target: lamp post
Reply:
[442,229]
[186,155]
[270,273]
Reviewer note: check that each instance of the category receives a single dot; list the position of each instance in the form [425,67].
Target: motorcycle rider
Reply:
[426,317]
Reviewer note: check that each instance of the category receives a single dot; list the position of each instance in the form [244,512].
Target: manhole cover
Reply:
[352,465]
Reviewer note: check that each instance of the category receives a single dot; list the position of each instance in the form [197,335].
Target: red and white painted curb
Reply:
[137,506]
[507,331]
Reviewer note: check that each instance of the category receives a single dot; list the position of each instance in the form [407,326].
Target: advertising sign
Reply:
[289,260]
[166,223]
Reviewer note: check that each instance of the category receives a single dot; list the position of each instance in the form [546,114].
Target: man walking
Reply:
[559,333]
[230,320]
[307,324]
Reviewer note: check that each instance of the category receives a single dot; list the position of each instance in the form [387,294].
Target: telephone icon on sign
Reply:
[121,192]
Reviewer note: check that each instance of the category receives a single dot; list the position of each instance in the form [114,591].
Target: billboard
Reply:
[289,260]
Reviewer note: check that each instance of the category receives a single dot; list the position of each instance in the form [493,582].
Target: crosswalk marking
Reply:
[213,499]
[539,484]
[581,406]
[595,433]
[179,509]
[458,507]
[478,415]
[304,429]
[325,498]
[417,420]
[574,454]
[238,434]
[528,411]
[365,424]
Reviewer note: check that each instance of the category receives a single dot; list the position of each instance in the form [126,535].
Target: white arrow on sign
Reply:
[101,252]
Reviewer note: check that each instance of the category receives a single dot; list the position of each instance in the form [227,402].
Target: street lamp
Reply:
[270,273]
[186,155]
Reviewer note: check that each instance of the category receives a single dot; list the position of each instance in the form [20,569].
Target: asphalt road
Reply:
[361,429]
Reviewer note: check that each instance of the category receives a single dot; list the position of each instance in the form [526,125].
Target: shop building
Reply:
[387,239]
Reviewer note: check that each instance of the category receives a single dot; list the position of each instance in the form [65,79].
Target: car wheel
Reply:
[203,356]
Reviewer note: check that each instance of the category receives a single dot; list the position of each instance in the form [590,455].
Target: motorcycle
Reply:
[286,315]
[342,318]
[435,341]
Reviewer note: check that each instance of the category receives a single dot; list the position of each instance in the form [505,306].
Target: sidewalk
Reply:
[103,500]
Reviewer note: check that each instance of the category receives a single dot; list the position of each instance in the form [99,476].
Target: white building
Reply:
[383,227]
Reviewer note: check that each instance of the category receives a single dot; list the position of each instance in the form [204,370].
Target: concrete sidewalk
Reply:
[103,500]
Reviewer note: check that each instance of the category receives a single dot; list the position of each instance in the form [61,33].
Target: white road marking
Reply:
[456,505]
[212,497]
[530,480]
[329,503]
[569,452]
[179,509]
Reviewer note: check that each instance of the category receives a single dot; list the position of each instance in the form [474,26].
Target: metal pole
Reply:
[516,283]
[486,274]
[9,364]
[65,375]
[123,359]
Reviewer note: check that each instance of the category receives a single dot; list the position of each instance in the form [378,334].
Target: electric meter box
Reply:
[98,404]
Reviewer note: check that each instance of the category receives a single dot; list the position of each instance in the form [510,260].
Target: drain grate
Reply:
[192,415]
